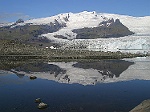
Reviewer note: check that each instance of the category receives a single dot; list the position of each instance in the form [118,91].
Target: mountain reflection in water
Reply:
[18,92]
[108,68]
[86,73]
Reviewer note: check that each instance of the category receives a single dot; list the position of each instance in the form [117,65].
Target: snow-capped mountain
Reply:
[139,42]
[5,24]
[68,22]
[139,25]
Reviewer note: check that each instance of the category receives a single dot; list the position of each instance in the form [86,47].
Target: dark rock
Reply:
[106,23]
[38,100]
[66,19]
[60,36]
[117,21]
[20,21]
[32,77]
[106,29]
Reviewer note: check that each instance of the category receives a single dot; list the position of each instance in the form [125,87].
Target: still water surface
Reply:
[101,86]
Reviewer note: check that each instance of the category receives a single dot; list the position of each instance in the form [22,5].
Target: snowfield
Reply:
[139,42]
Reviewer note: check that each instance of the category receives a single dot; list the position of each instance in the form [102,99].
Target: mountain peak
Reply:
[68,28]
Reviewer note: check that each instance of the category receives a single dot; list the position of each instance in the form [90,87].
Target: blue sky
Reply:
[11,10]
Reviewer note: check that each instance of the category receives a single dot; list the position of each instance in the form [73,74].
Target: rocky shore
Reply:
[16,50]
[142,107]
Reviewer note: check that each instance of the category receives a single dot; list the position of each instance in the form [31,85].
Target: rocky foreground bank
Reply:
[17,50]
[142,107]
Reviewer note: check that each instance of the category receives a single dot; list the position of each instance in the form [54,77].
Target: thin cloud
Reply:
[13,16]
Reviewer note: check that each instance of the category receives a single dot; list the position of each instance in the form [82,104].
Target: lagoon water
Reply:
[98,86]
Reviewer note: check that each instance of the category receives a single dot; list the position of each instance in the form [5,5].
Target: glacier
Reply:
[139,42]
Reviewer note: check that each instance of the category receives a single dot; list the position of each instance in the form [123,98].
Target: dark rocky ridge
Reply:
[29,33]
[106,29]
[20,21]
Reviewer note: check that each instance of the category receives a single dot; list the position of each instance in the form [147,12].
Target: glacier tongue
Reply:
[131,44]
[139,42]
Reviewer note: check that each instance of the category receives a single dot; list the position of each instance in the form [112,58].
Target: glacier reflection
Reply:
[89,73]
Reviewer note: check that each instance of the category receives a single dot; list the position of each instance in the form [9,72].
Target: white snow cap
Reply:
[139,25]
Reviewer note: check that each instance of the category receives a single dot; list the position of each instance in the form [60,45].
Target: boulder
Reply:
[142,107]
[32,77]
[42,105]
[38,100]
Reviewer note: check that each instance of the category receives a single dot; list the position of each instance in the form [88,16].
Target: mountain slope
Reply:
[64,24]
[106,29]
[71,31]
[138,25]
